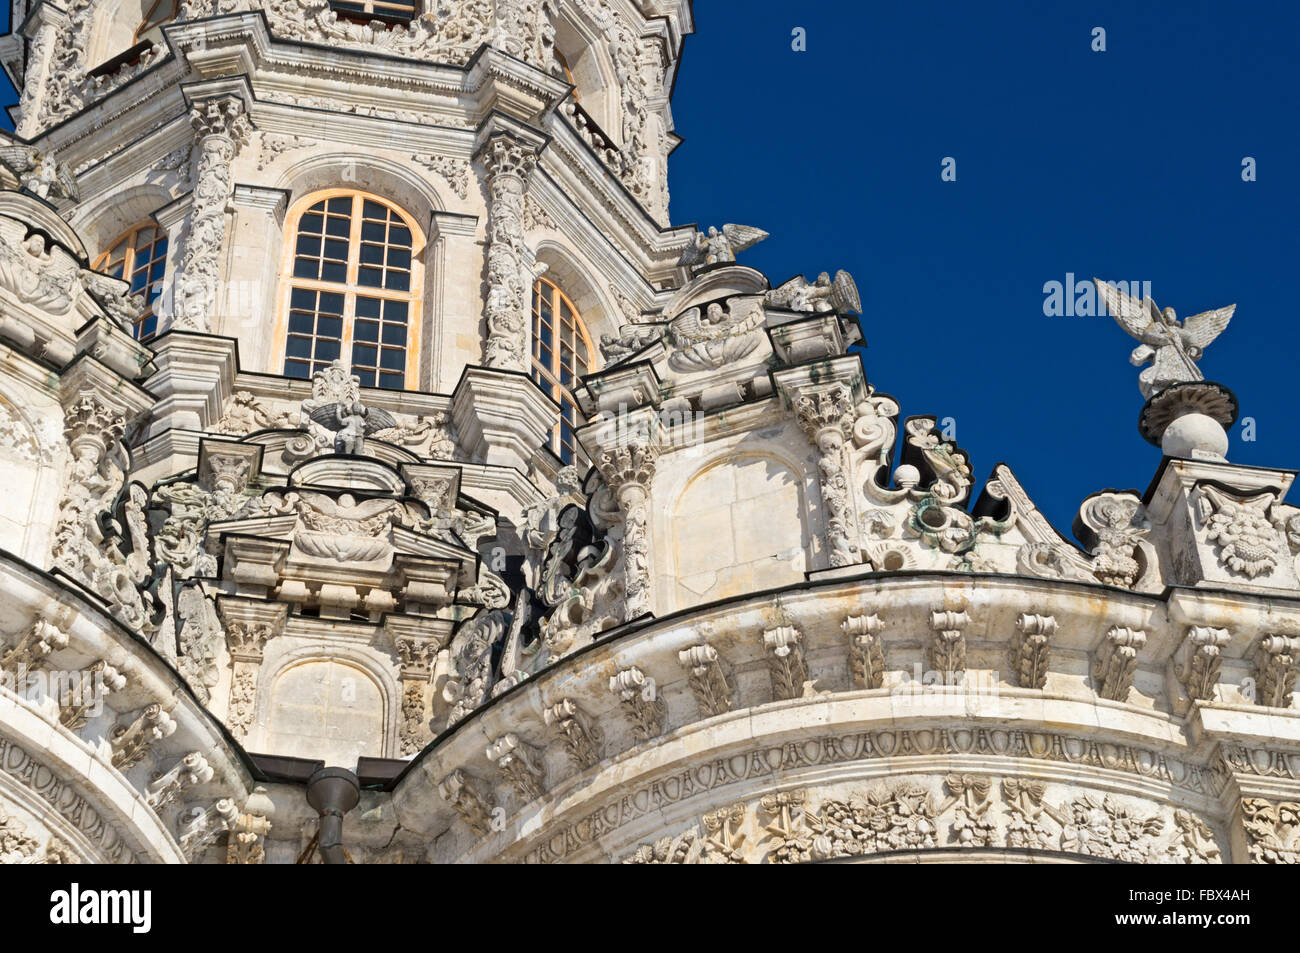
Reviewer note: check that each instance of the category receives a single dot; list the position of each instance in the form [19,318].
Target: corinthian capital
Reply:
[222,116]
[629,464]
[822,408]
[506,155]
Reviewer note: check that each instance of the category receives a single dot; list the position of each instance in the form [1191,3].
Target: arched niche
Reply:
[103,219]
[332,709]
[119,25]
[584,57]
[737,526]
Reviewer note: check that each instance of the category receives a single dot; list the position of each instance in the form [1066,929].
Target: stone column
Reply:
[221,127]
[417,656]
[65,72]
[509,164]
[247,642]
[826,415]
[628,471]
[92,431]
[48,24]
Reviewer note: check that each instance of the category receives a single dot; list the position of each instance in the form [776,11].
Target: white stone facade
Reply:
[755,616]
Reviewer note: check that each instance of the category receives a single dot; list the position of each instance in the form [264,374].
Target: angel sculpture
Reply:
[352,423]
[1172,347]
[715,247]
[822,295]
[37,173]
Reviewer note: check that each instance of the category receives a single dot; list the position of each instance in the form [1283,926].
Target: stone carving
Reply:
[723,842]
[247,642]
[822,295]
[582,739]
[16,845]
[453,170]
[1173,348]
[471,655]
[244,414]
[716,339]
[88,692]
[39,173]
[509,164]
[430,436]
[1248,543]
[275,144]
[221,127]
[43,781]
[535,216]
[247,841]
[1275,670]
[866,656]
[34,272]
[783,647]
[1272,830]
[630,339]
[351,423]
[1202,656]
[948,642]
[759,764]
[468,797]
[131,741]
[1114,525]
[1031,649]
[81,548]
[825,414]
[189,771]
[204,826]
[716,247]
[520,763]
[33,646]
[1116,662]
[708,679]
[628,471]
[645,710]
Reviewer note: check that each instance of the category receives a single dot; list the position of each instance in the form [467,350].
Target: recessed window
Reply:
[562,354]
[562,65]
[158,13]
[139,256]
[352,289]
[386,11]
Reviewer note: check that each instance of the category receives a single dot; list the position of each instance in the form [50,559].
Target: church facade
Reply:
[388,480]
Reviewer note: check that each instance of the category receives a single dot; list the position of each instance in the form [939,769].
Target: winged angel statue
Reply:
[38,173]
[716,247]
[1173,348]
[800,294]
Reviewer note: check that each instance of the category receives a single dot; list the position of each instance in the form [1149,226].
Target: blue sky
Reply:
[1124,163]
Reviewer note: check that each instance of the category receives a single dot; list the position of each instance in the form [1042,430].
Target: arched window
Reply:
[352,287]
[386,11]
[561,355]
[139,256]
[157,13]
[563,65]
